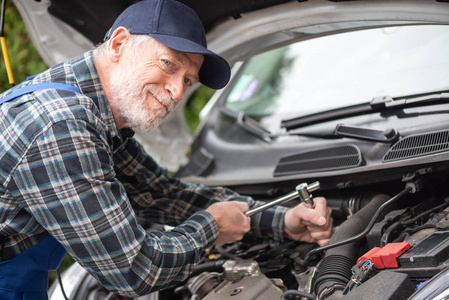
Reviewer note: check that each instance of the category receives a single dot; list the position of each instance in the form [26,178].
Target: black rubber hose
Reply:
[337,263]
[335,268]
[212,266]
[410,188]
[294,294]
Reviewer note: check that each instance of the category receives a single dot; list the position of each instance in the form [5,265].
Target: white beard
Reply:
[133,104]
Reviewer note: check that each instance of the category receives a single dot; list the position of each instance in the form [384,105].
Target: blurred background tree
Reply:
[25,60]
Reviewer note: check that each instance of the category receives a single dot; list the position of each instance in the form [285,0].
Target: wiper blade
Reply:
[248,124]
[389,135]
[379,104]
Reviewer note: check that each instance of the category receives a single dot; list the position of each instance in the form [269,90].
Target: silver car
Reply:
[348,96]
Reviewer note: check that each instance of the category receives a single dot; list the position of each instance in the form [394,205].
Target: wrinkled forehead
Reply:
[192,61]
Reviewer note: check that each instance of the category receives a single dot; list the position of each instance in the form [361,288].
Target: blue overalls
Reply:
[25,277]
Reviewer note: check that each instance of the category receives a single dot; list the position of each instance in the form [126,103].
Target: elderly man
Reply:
[73,179]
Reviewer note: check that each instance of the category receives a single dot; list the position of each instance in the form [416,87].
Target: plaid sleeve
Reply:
[67,182]
[160,198]
[269,223]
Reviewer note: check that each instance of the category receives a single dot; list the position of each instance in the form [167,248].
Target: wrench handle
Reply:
[290,196]
[277,201]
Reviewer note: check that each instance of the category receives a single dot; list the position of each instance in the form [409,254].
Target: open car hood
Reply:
[236,29]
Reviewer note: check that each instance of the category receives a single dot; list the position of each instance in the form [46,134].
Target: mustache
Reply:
[165,100]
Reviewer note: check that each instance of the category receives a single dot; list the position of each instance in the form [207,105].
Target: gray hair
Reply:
[135,40]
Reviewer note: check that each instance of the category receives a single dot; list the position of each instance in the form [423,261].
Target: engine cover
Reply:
[249,287]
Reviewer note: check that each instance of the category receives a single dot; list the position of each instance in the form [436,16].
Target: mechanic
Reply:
[73,179]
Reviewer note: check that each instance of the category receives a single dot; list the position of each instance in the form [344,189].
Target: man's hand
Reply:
[231,219]
[313,225]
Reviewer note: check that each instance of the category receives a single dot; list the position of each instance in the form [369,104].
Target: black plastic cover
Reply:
[429,253]
[386,285]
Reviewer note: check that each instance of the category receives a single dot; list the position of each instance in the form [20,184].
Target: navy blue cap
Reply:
[178,27]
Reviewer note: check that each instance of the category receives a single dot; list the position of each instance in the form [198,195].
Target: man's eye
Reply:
[166,62]
[187,81]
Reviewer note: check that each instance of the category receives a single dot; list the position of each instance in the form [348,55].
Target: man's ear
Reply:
[116,43]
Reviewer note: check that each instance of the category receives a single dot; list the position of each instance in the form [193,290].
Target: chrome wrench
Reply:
[302,191]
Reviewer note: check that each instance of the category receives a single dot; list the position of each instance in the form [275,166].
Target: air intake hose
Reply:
[335,268]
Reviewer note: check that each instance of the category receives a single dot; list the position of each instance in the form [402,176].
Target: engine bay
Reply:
[390,241]
[394,243]
[388,247]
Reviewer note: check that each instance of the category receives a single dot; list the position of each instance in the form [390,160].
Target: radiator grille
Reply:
[419,145]
[337,158]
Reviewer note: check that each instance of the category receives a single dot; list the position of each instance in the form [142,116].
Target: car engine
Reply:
[390,241]
[386,247]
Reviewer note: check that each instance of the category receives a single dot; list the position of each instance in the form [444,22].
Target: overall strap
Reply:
[37,87]
[26,275]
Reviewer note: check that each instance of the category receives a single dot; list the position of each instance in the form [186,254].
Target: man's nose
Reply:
[175,88]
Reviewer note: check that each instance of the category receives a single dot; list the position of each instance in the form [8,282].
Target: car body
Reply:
[351,94]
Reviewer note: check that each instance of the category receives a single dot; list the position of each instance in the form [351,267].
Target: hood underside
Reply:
[236,29]
[93,18]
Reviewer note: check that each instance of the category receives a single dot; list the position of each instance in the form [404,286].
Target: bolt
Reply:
[235,291]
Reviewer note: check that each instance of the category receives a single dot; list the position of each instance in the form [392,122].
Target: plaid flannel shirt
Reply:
[66,170]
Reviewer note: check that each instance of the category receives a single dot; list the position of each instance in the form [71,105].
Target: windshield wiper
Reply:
[248,124]
[389,135]
[253,127]
[379,104]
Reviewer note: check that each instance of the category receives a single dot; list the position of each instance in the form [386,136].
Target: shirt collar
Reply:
[89,84]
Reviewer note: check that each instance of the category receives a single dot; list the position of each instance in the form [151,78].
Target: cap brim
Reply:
[215,71]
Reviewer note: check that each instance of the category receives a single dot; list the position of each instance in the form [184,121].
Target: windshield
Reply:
[340,70]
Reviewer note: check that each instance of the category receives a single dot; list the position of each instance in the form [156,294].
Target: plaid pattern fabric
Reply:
[66,170]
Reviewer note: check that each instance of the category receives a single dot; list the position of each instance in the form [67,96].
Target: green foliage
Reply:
[24,58]
[195,104]
[65,264]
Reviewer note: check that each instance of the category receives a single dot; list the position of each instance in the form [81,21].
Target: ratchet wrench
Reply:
[302,191]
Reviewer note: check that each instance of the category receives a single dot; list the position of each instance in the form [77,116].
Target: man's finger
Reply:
[244,206]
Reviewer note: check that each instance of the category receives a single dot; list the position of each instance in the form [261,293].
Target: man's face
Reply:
[150,81]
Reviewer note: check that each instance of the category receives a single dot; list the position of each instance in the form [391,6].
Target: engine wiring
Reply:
[361,272]
[410,187]
[402,224]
